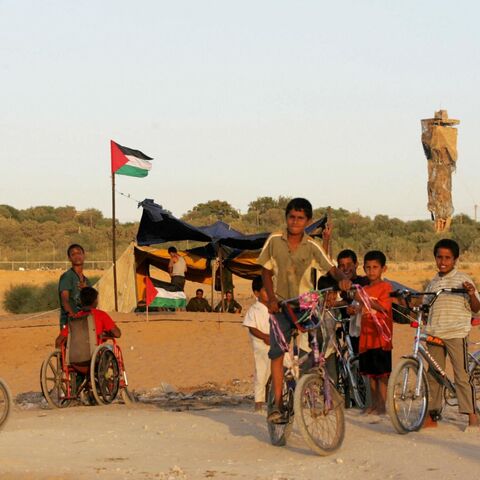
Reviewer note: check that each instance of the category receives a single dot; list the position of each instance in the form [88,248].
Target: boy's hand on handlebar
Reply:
[470,288]
[272,305]
[345,284]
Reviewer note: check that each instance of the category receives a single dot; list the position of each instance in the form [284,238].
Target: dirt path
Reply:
[147,442]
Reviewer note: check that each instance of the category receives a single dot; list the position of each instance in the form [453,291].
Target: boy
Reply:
[287,259]
[375,344]
[71,283]
[347,262]
[450,320]
[257,320]
[104,325]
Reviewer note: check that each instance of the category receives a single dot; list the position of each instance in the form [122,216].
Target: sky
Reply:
[235,100]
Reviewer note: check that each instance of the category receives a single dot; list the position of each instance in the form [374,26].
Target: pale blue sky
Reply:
[235,100]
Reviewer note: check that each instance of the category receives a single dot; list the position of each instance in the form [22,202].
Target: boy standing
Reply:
[257,320]
[287,259]
[71,283]
[450,320]
[375,344]
[177,267]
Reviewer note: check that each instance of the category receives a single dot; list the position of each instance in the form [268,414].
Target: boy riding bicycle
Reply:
[450,320]
[287,259]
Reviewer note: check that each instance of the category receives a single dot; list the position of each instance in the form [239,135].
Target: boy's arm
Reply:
[472,296]
[65,297]
[258,334]
[267,277]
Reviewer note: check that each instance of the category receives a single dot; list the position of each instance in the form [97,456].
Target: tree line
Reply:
[43,233]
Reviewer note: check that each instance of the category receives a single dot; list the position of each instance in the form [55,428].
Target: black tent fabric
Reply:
[157,225]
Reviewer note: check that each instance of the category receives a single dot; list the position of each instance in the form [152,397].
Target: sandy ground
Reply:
[222,439]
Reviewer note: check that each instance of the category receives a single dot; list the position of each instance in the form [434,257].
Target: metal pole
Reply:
[114,256]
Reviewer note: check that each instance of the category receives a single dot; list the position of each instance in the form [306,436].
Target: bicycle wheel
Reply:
[321,425]
[474,369]
[360,392]
[53,381]
[104,375]
[5,402]
[407,411]
[279,432]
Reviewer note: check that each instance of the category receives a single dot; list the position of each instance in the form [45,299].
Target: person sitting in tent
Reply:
[228,304]
[198,303]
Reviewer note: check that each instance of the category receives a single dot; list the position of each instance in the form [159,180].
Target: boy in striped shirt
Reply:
[450,320]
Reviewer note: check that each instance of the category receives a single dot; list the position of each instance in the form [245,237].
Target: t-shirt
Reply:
[370,336]
[179,267]
[257,316]
[198,305]
[292,270]
[103,322]
[70,281]
[450,316]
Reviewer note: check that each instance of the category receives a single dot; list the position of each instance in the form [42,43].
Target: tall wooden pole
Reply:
[114,252]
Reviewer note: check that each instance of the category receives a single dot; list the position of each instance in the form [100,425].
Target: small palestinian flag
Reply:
[127,161]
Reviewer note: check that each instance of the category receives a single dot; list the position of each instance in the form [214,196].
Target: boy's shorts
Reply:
[376,362]
[287,327]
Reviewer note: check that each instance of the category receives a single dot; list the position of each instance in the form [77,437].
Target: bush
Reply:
[26,298]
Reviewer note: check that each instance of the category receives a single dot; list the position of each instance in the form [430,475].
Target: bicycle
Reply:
[308,394]
[351,384]
[407,391]
[5,402]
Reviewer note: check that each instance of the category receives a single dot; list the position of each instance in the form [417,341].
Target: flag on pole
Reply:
[151,291]
[127,161]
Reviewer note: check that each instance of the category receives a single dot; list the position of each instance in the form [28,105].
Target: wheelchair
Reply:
[82,371]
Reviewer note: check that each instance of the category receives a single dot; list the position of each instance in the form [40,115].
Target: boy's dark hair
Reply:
[257,284]
[375,255]
[172,250]
[88,295]
[300,204]
[449,244]
[72,246]
[198,290]
[347,254]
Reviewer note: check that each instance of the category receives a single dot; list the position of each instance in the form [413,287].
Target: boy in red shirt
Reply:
[375,344]
[104,325]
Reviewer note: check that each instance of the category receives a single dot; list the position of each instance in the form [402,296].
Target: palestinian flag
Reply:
[127,161]
[166,299]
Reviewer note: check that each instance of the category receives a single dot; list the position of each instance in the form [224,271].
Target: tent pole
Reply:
[220,258]
[212,289]
[114,256]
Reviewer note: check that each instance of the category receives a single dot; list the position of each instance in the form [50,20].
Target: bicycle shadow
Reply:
[464,444]
[244,422]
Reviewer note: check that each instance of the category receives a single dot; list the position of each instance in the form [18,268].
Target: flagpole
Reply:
[114,253]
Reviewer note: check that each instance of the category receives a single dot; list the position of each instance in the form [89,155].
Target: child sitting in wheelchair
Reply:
[85,330]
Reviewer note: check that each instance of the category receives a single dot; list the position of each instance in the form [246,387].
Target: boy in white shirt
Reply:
[257,320]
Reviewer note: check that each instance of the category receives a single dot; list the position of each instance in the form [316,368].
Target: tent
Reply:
[234,251]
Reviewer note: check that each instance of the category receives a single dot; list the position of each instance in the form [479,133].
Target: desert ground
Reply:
[192,374]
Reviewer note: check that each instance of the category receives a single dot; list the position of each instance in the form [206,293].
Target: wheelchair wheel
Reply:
[5,402]
[53,381]
[407,411]
[104,375]
[321,422]
[127,396]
